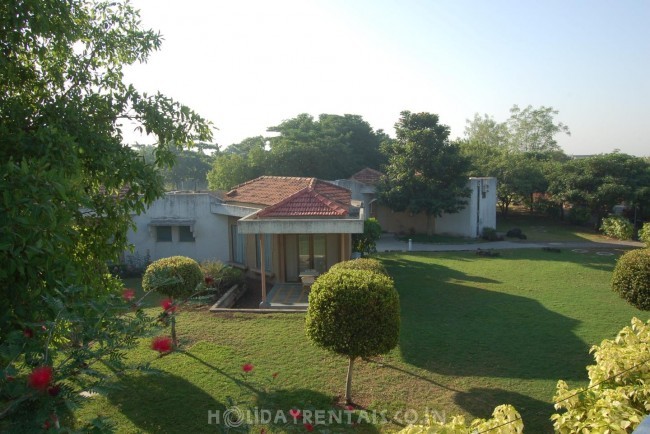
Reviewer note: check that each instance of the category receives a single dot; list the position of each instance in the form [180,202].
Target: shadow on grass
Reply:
[165,403]
[455,329]
[535,413]
[272,408]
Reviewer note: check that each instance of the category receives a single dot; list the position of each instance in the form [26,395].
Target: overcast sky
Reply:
[248,65]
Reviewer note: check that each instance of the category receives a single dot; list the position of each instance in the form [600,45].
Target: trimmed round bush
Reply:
[631,278]
[361,264]
[176,276]
[355,313]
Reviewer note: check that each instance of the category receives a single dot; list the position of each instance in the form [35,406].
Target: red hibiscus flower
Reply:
[309,427]
[349,407]
[162,344]
[168,305]
[294,413]
[28,333]
[247,367]
[40,378]
[128,294]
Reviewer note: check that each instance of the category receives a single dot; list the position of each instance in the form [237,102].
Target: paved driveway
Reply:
[390,243]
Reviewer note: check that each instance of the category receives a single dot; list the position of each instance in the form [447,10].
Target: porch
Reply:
[290,296]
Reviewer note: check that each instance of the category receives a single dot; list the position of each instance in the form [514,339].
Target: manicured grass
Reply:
[476,332]
[541,228]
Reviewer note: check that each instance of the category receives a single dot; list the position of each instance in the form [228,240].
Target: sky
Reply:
[247,65]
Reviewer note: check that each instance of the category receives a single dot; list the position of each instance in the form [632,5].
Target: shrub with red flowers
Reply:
[162,344]
[40,378]
[70,188]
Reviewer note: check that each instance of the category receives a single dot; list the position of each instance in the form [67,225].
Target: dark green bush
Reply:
[579,216]
[367,241]
[490,234]
[631,278]
[220,275]
[176,276]
[361,264]
[354,313]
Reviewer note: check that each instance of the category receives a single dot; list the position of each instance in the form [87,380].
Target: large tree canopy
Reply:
[330,147]
[599,182]
[520,152]
[426,173]
[190,168]
[528,130]
[69,185]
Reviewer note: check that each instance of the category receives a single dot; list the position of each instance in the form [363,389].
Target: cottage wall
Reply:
[210,231]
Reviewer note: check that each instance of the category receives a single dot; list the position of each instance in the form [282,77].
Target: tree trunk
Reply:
[173,324]
[348,382]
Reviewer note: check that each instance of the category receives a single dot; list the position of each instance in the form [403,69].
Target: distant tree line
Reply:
[426,170]
[532,169]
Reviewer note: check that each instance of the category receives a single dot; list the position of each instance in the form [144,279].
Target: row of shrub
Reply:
[622,229]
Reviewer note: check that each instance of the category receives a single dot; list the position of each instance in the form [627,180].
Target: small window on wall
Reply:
[185,234]
[163,234]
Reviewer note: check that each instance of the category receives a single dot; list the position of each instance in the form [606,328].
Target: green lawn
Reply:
[544,229]
[476,332]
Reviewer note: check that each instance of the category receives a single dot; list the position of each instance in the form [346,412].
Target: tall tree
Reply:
[426,173]
[534,129]
[330,147]
[528,130]
[190,168]
[601,181]
[239,163]
[70,187]
[518,152]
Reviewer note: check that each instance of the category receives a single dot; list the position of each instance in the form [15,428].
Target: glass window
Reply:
[236,245]
[185,234]
[312,252]
[268,254]
[304,255]
[163,233]
[320,256]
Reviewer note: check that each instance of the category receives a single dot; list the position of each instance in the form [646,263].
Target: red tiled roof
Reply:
[270,190]
[305,203]
[368,176]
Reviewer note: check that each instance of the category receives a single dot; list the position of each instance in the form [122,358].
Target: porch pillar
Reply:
[264,303]
[343,249]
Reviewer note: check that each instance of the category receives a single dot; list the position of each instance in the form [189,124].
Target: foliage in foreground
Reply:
[369,264]
[631,278]
[505,420]
[618,396]
[70,187]
[617,227]
[354,313]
